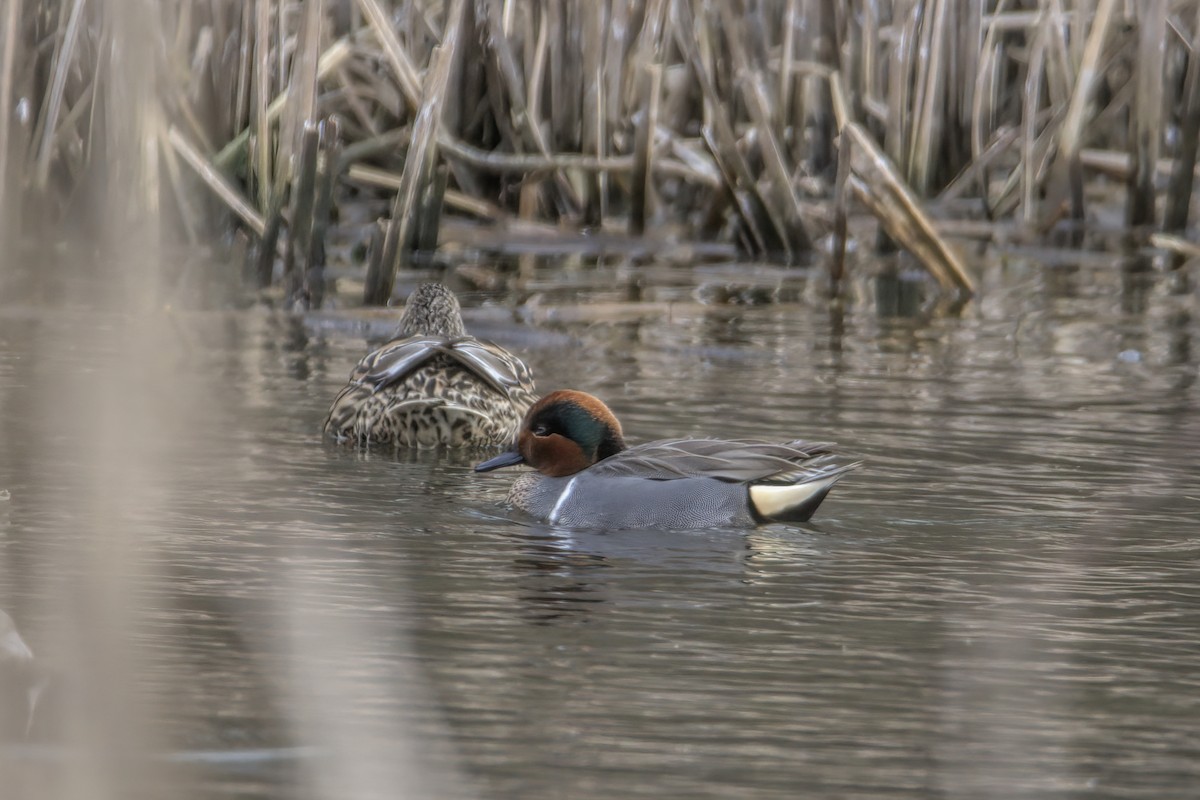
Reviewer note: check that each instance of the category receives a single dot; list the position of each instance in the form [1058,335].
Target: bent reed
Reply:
[752,128]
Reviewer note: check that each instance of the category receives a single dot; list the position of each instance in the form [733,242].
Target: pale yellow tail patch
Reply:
[773,501]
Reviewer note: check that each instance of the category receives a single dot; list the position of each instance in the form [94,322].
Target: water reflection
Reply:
[1002,602]
[22,683]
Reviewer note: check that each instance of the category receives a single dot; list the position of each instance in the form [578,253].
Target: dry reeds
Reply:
[665,119]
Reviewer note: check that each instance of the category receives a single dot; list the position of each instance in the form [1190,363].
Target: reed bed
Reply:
[757,124]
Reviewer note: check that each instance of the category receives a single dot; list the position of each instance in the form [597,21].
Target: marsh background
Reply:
[648,201]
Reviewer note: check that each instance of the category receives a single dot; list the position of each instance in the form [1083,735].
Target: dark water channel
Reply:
[1004,602]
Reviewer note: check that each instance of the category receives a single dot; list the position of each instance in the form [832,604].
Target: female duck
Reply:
[433,384]
[587,477]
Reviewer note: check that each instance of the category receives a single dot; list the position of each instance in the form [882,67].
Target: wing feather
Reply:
[396,360]
[732,460]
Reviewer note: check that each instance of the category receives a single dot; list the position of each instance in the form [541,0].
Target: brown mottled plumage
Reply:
[433,384]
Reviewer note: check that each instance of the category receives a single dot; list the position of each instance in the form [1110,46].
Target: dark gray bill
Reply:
[508,459]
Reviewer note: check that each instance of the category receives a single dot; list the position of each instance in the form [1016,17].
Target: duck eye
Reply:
[541,430]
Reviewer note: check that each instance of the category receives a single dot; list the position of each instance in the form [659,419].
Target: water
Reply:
[1004,602]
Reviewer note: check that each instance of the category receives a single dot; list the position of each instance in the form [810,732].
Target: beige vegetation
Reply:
[757,124]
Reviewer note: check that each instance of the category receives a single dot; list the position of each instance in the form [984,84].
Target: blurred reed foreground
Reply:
[350,139]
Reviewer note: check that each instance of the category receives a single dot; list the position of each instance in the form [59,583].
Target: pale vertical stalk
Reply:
[1179,191]
[117,415]
[1147,110]
[1085,85]
[786,54]
[592,119]
[49,122]
[1034,77]
[967,64]
[8,55]
[870,53]
[816,114]
[899,74]
[262,83]
[618,46]
[245,62]
[419,164]
[406,73]
[331,60]
[984,98]
[929,125]
[841,196]
[537,75]
[302,88]
[281,38]
[643,153]
[1062,77]
[506,17]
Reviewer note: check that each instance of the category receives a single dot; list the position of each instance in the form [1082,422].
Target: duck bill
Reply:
[507,459]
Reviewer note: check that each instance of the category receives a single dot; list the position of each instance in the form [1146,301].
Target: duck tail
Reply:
[795,502]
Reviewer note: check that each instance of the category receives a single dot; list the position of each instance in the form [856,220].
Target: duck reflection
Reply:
[558,583]
[566,575]
[22,682]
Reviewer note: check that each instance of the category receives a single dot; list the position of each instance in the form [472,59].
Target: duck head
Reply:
[563,433]
[432,310]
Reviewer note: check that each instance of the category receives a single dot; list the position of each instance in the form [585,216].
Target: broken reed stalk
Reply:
[245,62]
[1175,244]
[1146,113]
[369,176]
[190,215]
[927,137]
[262,95]
[429,211]
[592,116]
[1179,189]
[419,163]
[777,198]
[327,175]
[558,120]
[787,52]
[643,150]
[766,233]
[231,155]
[877,183]
[521,122]
[784,203]
[841,198]
[299,241]
[818,120]
[48,123]
[264,268]
[1071,135]
[1034,80]
[974,175]
[221,186]
[402,66]
[8,57]
[300,112]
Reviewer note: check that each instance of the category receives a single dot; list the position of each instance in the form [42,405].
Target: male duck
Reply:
[433,384]
[587,477]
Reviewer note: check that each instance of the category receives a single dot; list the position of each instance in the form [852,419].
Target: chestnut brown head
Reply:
[563,433]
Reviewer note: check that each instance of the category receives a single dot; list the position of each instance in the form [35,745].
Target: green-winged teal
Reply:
[587,478]
[433,384]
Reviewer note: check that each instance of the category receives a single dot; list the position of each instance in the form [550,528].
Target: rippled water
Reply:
[1004,602]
